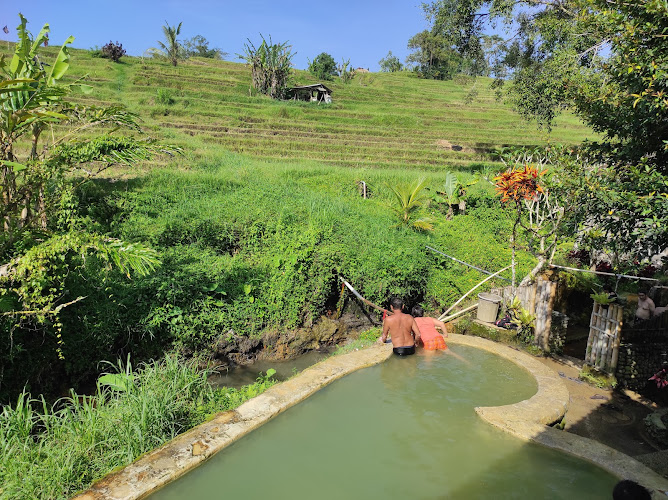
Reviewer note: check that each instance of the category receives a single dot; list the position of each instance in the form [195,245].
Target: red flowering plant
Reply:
[522,185]
[519,183]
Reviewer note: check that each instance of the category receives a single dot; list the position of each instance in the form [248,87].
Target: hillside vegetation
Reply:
[254,244]
[392,120]
[253,225]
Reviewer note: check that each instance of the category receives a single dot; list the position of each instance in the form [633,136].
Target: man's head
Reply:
[396,304]
[417,312]
[642,294]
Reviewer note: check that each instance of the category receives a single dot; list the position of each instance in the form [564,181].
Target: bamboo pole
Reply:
[367,302]
[590,340]
[532,298]
[459,313]
[549,307]
[603,273]
[440,318]
[618,338]
[462,262]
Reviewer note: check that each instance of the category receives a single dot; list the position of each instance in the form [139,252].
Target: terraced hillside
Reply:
[378,120]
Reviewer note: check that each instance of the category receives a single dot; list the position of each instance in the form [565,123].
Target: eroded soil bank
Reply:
[274,345]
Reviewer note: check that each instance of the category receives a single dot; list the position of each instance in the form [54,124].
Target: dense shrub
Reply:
[248,247]
[113,51]
[164,96]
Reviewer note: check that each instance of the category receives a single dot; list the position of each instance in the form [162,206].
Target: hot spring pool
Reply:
[403,429]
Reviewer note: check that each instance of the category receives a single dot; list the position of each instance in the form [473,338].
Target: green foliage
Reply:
[345,74]
[198,46]
[323,67]
[597,379]
[171,49]
[607,60]
[390,63]
[164,97]
[271,66]
[526,324]
[601,298]
[55,451]
[409,199]
[432,58]
[365,339]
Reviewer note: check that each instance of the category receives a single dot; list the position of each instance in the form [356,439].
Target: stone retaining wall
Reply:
[638,362]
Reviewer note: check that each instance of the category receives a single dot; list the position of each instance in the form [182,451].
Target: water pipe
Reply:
[367,302]
[462,262]
[442,316]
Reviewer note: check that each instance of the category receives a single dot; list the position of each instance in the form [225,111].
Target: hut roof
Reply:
[316,86]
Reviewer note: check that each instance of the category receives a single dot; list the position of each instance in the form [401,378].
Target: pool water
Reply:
[404,429]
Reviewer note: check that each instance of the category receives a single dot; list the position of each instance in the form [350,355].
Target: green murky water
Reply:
[405,429]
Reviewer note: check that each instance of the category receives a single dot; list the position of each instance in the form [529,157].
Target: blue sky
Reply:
[362,31]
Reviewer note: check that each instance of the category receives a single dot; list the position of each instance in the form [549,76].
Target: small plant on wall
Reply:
[526,325]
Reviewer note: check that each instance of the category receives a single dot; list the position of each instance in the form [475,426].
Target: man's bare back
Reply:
[400,327]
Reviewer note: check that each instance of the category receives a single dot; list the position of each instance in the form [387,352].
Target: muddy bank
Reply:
[275,345]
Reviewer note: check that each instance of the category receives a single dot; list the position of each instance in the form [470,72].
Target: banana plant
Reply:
[453,190]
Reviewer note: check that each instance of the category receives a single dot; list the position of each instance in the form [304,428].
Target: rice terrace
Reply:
[263,270]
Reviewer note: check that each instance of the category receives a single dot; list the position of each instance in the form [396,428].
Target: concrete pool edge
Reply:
[188,450]
[529,419]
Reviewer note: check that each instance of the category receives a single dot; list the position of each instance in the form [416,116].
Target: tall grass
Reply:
[53,451]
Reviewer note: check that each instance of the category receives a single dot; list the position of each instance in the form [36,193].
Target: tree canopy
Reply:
[390,63]
[606,60]
[171,49]
[198,46]
[323,67]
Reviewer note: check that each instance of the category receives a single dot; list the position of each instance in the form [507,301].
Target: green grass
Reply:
[54,451]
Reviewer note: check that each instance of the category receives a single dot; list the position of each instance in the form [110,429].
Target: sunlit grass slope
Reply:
[378,120]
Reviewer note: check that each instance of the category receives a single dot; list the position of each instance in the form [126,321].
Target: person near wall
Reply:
[645,308]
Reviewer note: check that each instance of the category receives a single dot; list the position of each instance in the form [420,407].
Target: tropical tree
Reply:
[390,63]
[344,72]
[323,66]
[271,66]
[39,238]
[607,61]
[171,49]
[198,46]
[408,201]
[453,192]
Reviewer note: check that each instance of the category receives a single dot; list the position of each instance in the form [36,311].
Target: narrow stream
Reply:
[247,374]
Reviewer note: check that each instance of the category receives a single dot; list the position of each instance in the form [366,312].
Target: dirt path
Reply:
[614,418]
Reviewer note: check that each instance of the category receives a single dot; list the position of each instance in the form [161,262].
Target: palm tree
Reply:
[408,201]
[172,50]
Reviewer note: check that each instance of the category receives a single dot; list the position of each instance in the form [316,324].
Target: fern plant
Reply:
[407,204]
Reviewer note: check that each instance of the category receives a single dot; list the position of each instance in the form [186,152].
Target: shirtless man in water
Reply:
[401,329]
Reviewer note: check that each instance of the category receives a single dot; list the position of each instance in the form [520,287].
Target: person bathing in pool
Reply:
[428,337]
[401,329]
